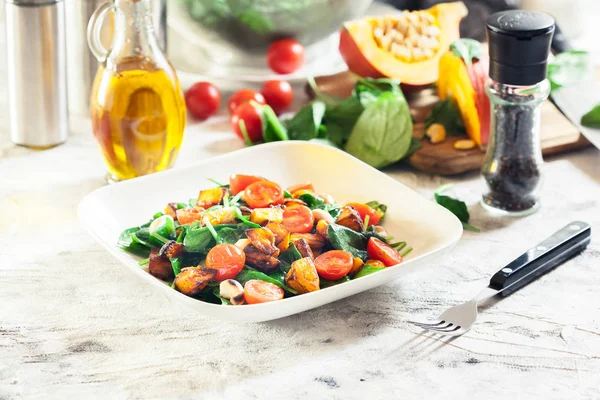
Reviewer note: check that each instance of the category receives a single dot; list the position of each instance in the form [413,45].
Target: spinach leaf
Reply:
[142,236]
[323,283]
[370,232]
[336,134]
[326,142]
[288,257]
[456,207]
[377,206]
[383,133]
[343,116]
[415,145]
[231,235]
[467,49]
[273,129]
[248,274]
[568,68]
[287,195]
[342,238]
[446,113]
[201,240]
[367,270]
[217,293]
[591,118]
[305,124]
[312,201]
[368,90]
[333,209]
[328,99]
[127,242]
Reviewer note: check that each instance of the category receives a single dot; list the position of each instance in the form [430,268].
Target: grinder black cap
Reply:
[519,45]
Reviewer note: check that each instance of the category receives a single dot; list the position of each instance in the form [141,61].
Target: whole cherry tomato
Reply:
[285,56]
[203,100]
[250,117]
[278,94]
[244,96]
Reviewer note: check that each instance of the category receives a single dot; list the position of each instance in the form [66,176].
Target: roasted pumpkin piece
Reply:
[263,239]
[160,267]
[262,216]
[220,216]
[350,218]
[303,276]
[171,249]
[375,263]
[357,265]
[279,231]
[211,197]
[288,201]
[300,192]
[322,227]
[316,242]
[259,260]
[304,249]
[191,280]
[171,209]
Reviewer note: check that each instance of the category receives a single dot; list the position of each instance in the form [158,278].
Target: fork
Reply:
[564,244]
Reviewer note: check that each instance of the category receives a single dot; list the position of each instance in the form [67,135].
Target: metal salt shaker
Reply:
[37,72]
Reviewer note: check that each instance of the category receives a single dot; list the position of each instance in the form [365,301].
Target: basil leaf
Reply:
[273,129]
[305,124]
[591,119]
[568,68]
[383,132]
[447,114]
[467,49]
[342,238]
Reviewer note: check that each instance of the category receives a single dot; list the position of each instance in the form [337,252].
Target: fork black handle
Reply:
[564,244]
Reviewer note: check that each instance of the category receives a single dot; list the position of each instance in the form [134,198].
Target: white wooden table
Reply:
[74,323]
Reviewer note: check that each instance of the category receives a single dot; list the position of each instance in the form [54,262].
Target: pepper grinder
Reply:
[519,45]
[37,72]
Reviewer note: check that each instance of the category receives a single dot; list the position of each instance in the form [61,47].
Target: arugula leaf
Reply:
[591,119]
[342,238]
[467,49]
[383,132]
[305,124]
[568,68]
[456,207]
[273,129]
[447,114]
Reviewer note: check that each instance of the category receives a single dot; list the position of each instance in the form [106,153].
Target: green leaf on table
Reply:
[369,89]
[467,49]
[383,133]
[273,129]
[341,119]
[591,119]
[568,68]
[329,99]
[446,113]
[305,124]
[456,207]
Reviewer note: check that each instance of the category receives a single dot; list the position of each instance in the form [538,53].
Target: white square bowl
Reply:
[429,228]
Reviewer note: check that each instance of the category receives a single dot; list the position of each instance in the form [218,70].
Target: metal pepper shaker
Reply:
[37,72]
[519,43]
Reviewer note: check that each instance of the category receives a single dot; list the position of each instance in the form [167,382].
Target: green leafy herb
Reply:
[323,283]
[367,270]
[287,195]
[278,279]
[377,206]
[217,293]
[467,49]
[216,182]
[312,201]
[591,119]
[446,113]
[126,242]
[305,124]
[456,207]
[273,129]
[245,219]
[328,99]
[341,119]
[326,142]
[288,257]
[415,144]
[231,235]
[202,240]
[163,229]
[336,134]
[343,238]
[568,68]
[382,134]
[176,264]
[368,90]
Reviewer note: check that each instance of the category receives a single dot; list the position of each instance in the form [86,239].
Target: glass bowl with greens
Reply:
[240,31]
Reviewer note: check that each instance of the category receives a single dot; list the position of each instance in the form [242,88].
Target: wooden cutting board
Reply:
[558,134]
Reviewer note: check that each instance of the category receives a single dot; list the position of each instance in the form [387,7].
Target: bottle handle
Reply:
[94,31]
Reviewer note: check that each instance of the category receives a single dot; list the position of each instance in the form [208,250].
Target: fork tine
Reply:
[447,329]
[426,325]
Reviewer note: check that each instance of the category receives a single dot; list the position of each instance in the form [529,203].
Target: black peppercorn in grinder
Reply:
[519,45]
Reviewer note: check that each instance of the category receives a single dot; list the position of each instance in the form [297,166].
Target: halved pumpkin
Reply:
[407,47]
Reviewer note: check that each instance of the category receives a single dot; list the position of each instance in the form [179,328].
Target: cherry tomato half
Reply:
[278,94]
[285,56]
[298,218]
[203,100]
[334,264]
[188,215]
[244,96]
[301,186]
[252,121]
[383,252]
[263,194]
[256,291]
[364,210]
[238,182]
[227,259]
